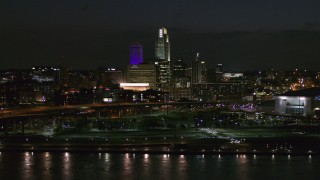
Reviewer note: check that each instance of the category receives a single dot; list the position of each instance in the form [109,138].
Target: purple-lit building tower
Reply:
[136,54]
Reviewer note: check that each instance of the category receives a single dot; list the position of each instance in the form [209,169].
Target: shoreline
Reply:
[141,149]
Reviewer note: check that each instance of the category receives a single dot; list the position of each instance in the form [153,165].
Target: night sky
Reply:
[86,34]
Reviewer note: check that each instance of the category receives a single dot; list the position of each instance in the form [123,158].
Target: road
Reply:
[16,112]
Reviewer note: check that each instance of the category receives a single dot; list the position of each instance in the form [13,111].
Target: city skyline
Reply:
[90,34]
[96,89]
[236,50]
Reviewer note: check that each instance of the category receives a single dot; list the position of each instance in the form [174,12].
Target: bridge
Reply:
[19,119]
[42,110]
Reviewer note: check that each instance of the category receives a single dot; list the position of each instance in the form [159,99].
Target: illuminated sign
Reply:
[107,99]
[135,86]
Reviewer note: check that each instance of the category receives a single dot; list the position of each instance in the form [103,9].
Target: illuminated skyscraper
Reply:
[163,45]
[136,54]
[162,56]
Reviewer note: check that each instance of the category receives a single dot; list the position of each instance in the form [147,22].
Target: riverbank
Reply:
[187,146]
[174,141]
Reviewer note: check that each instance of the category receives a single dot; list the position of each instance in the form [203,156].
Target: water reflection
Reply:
[47,155]
[66,155]
[107,157]
[66,165]
[310,159]
[27,165]
[146,156]
[106,162]
[47,161]
[242,168]
[165,167]
[146,166]
[127,166]
[27,159]
[182,167]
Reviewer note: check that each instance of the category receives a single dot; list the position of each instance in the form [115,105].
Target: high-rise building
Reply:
[219,68]
[163,45]
[180,81]
[199,71]
[136,54]
[180,76]
[142,73]
[162,56]
[204,72]
[219,73]
[195,71]
[164,74]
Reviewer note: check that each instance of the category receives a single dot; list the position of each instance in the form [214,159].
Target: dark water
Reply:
[48,165]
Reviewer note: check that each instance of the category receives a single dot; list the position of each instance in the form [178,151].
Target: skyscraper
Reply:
[204,72]
[162,56]
[196,71]
[199,71]
[219,73]
[142,73]
[136,54]
[179,76]
[163,45]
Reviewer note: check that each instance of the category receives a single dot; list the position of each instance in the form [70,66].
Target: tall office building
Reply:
[136,54]
[204,72]
[179,74]
[198,71]
[142,73]
[163,45]
[219,73]
[180,81]
[219,68]
[162,56]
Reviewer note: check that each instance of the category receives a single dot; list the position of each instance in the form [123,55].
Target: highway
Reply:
[16,112]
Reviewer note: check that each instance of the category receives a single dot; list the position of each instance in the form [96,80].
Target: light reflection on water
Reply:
[182,167]
[27,164]
[67,165]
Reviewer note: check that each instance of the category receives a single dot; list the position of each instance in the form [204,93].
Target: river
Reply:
[67,165]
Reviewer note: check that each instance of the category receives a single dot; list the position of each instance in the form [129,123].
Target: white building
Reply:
[304,102]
